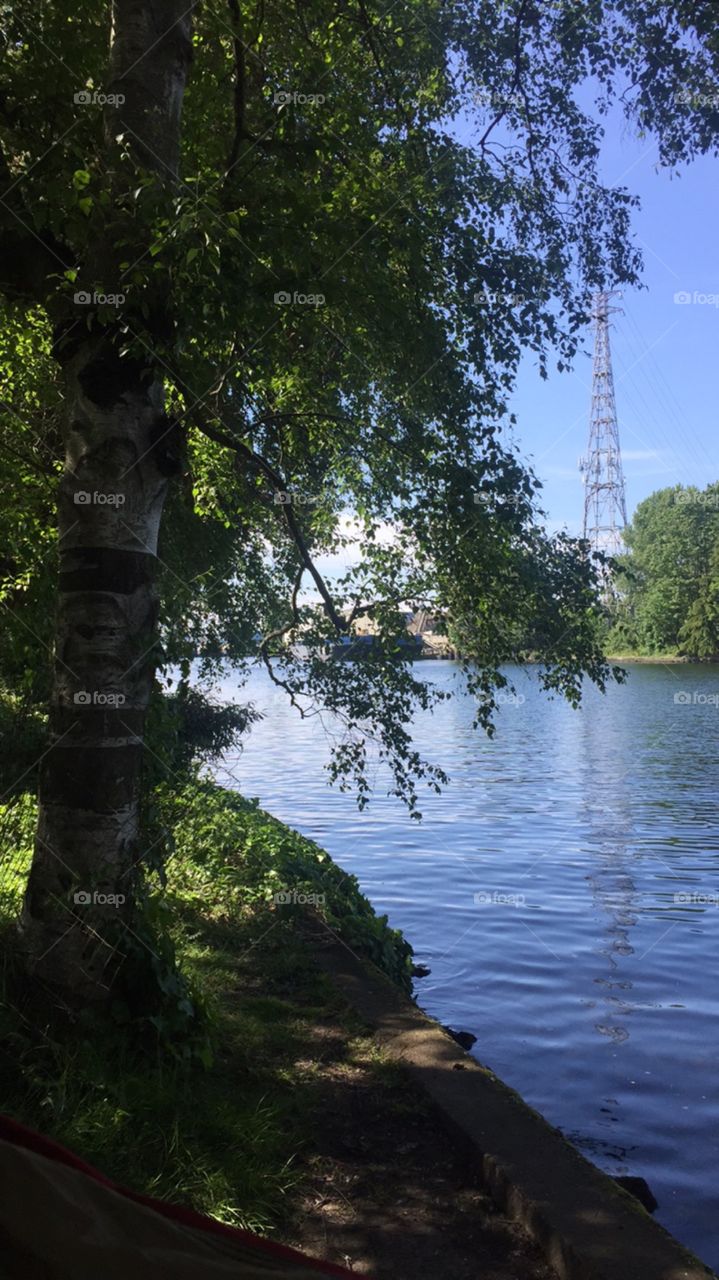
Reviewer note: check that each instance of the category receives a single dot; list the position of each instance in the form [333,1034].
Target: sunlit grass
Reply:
[224,1139]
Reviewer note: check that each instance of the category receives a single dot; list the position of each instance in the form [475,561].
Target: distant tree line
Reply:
[668,581]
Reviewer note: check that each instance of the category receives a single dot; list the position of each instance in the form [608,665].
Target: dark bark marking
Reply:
[107,377]
[106,569]
[168,445]
[94,778]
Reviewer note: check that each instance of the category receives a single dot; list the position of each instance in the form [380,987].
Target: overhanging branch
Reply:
[258,463]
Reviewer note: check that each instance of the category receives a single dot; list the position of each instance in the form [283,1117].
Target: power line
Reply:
[671,406]
[651,424]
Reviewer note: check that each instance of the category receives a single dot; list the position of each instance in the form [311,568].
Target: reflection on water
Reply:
[606,807]
[564,894]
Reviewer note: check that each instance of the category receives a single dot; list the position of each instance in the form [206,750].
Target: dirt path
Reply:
[389,1195]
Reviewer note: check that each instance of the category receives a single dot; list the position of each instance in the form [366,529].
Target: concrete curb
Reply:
[588,1227]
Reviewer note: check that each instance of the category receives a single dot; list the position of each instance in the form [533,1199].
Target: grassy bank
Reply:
[281,1114]
[219,1123]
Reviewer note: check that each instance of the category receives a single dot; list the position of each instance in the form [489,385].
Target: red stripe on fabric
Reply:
[20,1136]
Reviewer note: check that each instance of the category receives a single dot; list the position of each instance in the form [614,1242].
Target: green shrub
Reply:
[229,856]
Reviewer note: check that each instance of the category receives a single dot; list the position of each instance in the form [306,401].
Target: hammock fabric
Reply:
[60,1219]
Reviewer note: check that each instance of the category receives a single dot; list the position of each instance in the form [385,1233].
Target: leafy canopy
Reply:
[380,210]
[669,598]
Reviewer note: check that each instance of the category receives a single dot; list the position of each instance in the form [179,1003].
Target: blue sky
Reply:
[666,354]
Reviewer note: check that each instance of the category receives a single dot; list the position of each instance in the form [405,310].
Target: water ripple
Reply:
[565,894]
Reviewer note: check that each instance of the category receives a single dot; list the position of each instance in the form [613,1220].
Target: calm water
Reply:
[565,893]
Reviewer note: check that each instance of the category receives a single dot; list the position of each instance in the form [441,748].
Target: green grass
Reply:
[226,1138]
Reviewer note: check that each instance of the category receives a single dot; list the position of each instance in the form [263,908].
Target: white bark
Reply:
[110,507]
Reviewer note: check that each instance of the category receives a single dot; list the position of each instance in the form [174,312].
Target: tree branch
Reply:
[280,487]
[240,94]
[515,79]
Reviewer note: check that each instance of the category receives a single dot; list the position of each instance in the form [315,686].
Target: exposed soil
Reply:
[389,1194]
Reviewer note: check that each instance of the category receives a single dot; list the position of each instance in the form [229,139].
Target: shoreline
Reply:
[298,1124]
[327,1074]
[585,1224]
[657,659]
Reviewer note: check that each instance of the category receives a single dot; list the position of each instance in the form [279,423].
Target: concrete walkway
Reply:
[588,1227]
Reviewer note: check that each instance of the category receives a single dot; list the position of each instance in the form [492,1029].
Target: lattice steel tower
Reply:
[605,510]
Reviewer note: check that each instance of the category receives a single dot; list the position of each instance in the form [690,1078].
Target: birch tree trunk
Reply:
[77,915]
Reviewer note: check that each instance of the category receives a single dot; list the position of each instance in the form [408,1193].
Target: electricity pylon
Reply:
[605,509]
